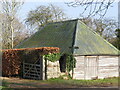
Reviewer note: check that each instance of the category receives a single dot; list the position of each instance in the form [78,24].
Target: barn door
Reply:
[91,67]
[34,70]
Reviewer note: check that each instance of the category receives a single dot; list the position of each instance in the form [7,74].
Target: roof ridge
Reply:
[74,36]
[63,21]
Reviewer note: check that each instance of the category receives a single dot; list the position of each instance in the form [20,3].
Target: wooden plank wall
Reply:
[89,68]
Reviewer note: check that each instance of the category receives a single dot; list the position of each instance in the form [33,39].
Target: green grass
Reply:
[5,86]
[109,82]
[99,82]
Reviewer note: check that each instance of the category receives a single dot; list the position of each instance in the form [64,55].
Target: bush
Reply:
[12,58]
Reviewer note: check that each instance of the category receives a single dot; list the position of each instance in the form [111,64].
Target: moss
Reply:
[62,35]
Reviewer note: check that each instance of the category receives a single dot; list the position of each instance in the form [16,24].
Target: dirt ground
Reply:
[26,83]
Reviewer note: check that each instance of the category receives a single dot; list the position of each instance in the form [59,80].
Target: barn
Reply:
[95,57]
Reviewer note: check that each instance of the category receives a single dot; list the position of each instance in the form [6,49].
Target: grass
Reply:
[4,85]
[59,82]
[87,83]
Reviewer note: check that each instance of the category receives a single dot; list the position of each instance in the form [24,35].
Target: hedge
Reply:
[13,58]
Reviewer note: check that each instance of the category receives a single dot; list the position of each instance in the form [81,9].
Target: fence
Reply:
[42,70]
[32,71]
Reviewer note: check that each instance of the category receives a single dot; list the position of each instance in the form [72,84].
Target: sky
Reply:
[71,12]
[119,15]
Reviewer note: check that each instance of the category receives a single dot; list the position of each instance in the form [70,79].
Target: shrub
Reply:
[12,58]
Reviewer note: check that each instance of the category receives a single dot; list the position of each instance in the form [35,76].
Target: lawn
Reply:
[58,83]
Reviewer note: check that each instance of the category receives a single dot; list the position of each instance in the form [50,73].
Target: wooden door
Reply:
[91,67]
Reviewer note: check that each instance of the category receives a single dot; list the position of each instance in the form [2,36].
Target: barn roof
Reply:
[68,34]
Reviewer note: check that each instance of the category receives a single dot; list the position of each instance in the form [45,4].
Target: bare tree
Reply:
[0,32]
[104,27]
[58,14]
[20,32]
[92,7]
[116,40]
[10,10]
[44,14]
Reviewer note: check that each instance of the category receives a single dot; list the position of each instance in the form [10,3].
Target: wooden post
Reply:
[88,67]
[45,69]
[97,60]
[41,67]
[72,69]
[84,67]
[23,70]
[57,69]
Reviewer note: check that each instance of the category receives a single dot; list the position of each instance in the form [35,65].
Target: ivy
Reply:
[69,60]
[52,57]
[70,63]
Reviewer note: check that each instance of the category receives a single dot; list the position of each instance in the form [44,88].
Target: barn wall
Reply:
[53,69]
[79,70]
[92,67]
[108,66]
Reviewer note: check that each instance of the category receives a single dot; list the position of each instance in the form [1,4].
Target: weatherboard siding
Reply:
[108,67]
[79,70]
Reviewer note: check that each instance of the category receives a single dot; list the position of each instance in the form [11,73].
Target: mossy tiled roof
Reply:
[67,34]
[90,43]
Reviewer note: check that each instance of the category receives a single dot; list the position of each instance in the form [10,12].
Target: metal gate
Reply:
[33,71]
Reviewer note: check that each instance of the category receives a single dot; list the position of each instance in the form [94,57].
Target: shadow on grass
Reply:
[59,82]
